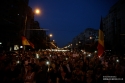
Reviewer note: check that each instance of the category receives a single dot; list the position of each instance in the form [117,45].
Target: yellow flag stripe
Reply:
[101,42]
[25,41]
[101,38]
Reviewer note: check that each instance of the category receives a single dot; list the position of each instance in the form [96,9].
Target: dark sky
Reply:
[66,19]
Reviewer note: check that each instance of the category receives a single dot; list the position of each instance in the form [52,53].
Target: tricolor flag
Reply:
[25,41]
[101,40]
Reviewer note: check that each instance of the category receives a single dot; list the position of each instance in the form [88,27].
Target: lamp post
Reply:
[50,35]
[37,11]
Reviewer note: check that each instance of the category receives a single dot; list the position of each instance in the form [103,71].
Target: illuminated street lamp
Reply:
[37,11]
[90,37]
[50,35]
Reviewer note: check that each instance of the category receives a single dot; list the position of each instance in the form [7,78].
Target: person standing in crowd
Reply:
[62,76]
[77,75]
[52,73]
[29,75]
[42,72]
[62,69]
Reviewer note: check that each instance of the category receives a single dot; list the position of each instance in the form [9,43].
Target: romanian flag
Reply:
[25,41]
[101,40]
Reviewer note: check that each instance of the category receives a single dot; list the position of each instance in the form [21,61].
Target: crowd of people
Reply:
[61,67]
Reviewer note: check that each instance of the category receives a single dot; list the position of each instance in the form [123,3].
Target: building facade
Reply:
[86,39]
[114,27]
[16,20]
[12,18]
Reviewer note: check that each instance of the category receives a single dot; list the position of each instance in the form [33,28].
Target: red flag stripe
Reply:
[100,49]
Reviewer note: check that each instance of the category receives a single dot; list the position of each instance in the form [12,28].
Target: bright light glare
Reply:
[89,55]
[37,56]
[117,60]
[47,62]
[90,37]
[37,11]
[21,46]
[18,61]
[50,35]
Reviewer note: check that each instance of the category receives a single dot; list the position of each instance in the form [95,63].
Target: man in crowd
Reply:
[41,74]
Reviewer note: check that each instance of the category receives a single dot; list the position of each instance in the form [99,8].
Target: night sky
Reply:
[66,19]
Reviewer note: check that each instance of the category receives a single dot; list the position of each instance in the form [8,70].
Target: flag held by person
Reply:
[101,40]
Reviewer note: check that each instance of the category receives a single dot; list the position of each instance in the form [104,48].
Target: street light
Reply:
[50,35]
[37,11]
[90,37]
[25,26]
